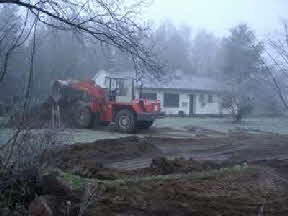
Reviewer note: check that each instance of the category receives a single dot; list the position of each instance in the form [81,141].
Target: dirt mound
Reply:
[280,166]
[200,131]
[163,166]
[37,116]
[158,166]
[231,192]
[199,188]
[91,155]
[87,159]
[40,115]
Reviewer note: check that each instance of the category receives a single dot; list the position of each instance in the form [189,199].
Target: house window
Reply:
[171,100]
[210,99]
[149,96]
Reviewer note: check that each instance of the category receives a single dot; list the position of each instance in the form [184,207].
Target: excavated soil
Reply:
[158,166]
[93,155]
[132,153]
[186,187]
[247,192]
[252,178]
[40,116]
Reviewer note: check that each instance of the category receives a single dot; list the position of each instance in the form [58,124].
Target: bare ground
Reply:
[233,174]
[135,152]
[245,192]
[207,173]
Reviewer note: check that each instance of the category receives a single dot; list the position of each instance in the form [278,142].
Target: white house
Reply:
[187,96]
[181,95]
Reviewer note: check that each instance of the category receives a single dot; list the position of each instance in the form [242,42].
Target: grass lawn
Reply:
[268,124]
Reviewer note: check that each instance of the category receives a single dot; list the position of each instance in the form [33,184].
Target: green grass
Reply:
[77,182]
[266,124]
[235,170]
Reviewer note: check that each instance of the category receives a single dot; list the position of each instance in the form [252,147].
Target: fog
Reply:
[143,107]
[219,16]
[232,43]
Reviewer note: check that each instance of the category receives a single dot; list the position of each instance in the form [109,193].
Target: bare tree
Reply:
[111,22]
[9,29]
[277,52]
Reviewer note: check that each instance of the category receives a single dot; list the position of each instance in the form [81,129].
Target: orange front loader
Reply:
[89,104]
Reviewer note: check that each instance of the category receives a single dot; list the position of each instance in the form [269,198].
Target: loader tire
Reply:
[125,121]
[82,116]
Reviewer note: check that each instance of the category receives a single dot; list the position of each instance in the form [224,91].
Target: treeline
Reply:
[237,60]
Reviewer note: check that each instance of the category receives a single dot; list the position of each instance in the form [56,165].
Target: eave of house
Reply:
[184,90]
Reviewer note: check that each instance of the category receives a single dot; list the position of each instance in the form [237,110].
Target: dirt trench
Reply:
[242,192]
[251,179]
[134,152]
[187,187]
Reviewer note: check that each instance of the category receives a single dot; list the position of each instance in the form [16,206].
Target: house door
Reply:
[191,105]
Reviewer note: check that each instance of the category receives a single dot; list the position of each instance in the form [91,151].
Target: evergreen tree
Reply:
[242,66]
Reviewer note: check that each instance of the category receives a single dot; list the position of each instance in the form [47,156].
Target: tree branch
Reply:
[105,22]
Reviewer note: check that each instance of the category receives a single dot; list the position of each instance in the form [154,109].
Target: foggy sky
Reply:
[219,16]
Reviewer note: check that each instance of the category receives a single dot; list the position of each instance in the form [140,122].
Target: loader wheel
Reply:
[82,117]
[144,124]
[125,121]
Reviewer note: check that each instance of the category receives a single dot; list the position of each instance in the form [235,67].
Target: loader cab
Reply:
[121,90]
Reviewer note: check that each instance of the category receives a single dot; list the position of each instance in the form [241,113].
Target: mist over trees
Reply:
[236,60]
[277,56]
[205,54]
[114,25]
[9,30]
[173,45]
[241,69]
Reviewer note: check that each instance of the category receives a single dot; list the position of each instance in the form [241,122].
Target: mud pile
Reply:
[200,131]
[33,116]
[158,166]
[175,187]
[40,115]
[87,159]
[178,186]
[246,192]
[90,156]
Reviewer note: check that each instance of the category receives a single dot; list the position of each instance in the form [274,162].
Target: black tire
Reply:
[82,116]
[125,121]
[144,124]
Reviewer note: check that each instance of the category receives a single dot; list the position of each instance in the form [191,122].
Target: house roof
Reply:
[186,83]
[177,81]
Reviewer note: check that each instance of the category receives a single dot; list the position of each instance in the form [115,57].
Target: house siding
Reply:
[208,108]
[199,108]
